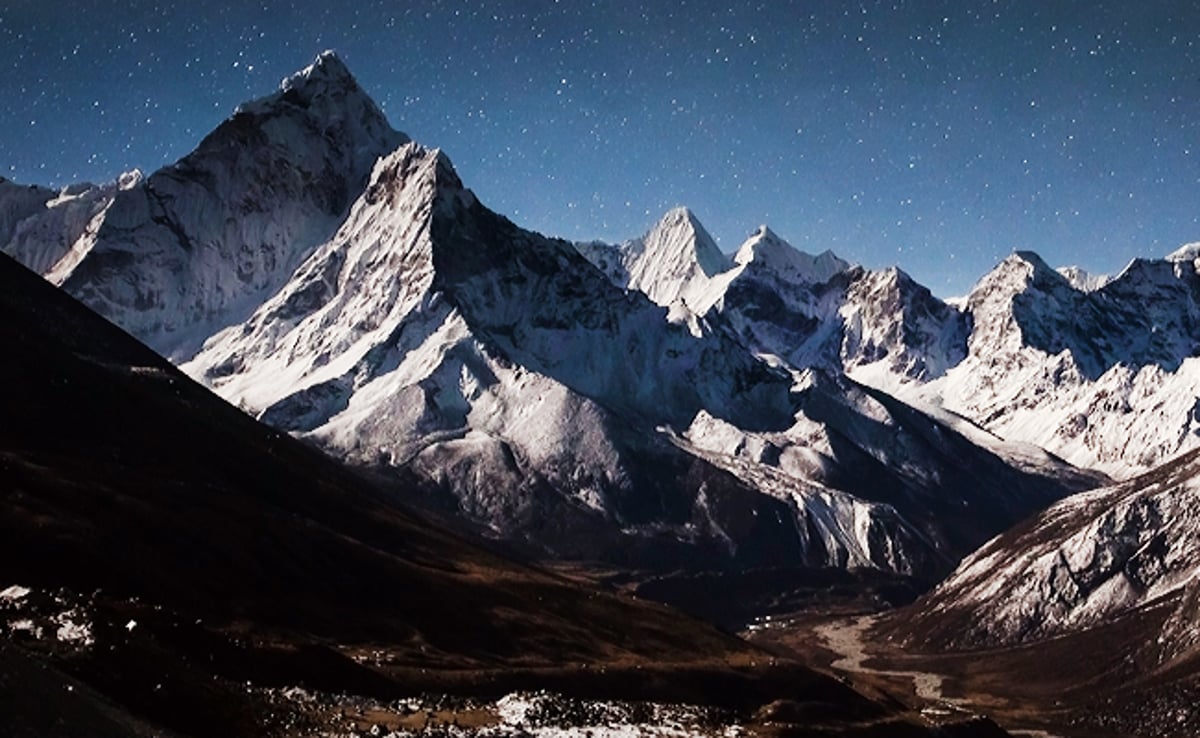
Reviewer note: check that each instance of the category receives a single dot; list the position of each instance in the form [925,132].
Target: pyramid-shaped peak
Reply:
[679,237]
[1019,271]
[681,220]
[680,215]
[326,84]
[761,241]
[326,95]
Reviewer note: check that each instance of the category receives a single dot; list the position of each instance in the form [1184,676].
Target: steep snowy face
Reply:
[360,352]
[882,484]
[1084,562]
[1145,315]
[774,298]
[433,337]
[199,244]
[1020,302]
[343,301]
[341,283]
[544,305]
[856,320]
[675,262]
[1156,312]
[52,238]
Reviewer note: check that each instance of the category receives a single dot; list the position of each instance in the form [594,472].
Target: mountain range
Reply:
[651,403]
[654,406]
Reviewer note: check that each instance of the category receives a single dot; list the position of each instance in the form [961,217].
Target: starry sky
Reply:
[937,136]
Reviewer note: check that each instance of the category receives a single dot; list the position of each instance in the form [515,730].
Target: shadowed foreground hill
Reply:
[164,559]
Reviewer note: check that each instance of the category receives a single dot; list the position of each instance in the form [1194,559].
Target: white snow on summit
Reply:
[199,244]
[778,255]
[1083,280]
[673,264]
[1186,252]
[1107,379]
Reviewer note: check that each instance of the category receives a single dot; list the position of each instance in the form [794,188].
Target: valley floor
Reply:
[999,684]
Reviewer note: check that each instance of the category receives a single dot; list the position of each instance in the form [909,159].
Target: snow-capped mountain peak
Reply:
[1083,280]
[1186,252]
[327,67]
[675,260]
[769,250]
[198,245]
[679,239]
[1018,271]
[313,265]
[676,263]
[328,95]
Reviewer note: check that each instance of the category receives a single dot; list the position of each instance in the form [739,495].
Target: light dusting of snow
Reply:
[537,714]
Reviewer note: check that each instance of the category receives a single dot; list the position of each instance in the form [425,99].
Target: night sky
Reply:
[935,136]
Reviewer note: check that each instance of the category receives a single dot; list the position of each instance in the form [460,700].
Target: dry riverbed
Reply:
[844,646]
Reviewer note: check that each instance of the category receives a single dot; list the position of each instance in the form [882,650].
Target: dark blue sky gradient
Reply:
[934,135]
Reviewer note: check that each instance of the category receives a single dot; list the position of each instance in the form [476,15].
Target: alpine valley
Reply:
[742,436]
